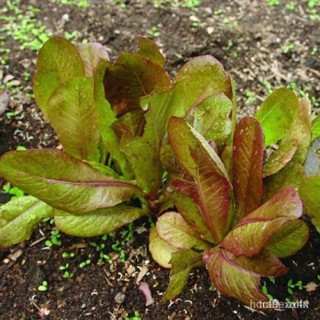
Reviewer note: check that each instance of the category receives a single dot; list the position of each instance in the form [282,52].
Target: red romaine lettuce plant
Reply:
[221,221]
[111,119]
[136,142]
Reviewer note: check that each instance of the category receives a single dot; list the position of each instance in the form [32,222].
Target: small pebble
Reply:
[119,298]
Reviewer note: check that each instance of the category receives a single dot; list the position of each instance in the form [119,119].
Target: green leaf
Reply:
[252,233]
[72,113]
[172,228]
[131,78]
[280,158]
[90,54]
[211,185]
[182,264]
[310,194]
[301,130]
[316,127]
[143,151]
[277,114]
[160,250]
[247,166]
[291,175]
[292,237]
[63,181]
[233,279]
[98,222]
[106,118]
[295,144]
[312,163]
[19,217]
[202,77]
[191,214]
[148,49]
[211,118]
[58,62]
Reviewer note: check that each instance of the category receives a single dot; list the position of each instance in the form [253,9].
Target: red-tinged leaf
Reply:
[277,113]
[312,163]
[292,237]
[232,279]
[190,212]
[172,228]
[72,113]
[131,78]
[105,120]
[160,249]
[202,77]
[130,125]
[280,158]
[253,232]
[211,184]
[247,166]
[98,222]
[148,49]
[182,264]
[64,182]
[90,54]
[58,62]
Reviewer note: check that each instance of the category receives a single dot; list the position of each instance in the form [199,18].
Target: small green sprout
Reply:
[54,239]
[288,47]
[154,32]
[218,12]
[64,267]
[273,3]
[191,3]
[85,263]
[266,292]
[68,255]
[14,191]
[136,316]
[49,220]
[291,5]
[43,287]
[67,275]
[291,286]
[123,256]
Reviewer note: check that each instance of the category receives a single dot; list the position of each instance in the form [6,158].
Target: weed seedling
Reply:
[43,287]
[67,275]
[64,267]
[54,239]
[273,3]
[266,292]
[68,255]
[85,263]
[14,191]
[154,32]
[291,286]
[135,317]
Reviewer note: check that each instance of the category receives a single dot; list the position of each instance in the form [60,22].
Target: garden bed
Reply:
[264,46]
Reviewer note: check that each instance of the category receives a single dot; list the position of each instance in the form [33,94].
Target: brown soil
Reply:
[250,38]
